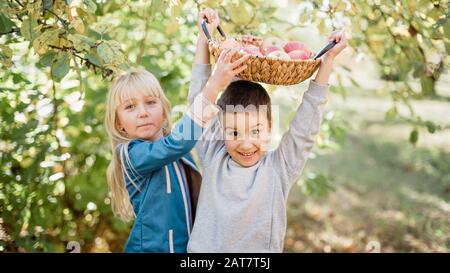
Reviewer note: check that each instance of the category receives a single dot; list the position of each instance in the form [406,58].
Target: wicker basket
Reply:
[271,70]
[268,70]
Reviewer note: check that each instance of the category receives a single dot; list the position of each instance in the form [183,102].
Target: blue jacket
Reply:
[163,204]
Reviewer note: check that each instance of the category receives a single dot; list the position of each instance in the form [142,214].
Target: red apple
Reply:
[229,43]
[299,55]
[251,49]
[269,49]
[291,46]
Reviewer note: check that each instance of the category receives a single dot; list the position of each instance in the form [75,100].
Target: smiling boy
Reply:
[242,202]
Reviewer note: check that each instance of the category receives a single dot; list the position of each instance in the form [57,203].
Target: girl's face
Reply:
[141,116]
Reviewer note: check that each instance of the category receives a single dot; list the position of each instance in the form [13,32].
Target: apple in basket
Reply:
[229,43]
[295,45]
[252,50]
[299,55]
[297,50]
[279,54]
[270,49]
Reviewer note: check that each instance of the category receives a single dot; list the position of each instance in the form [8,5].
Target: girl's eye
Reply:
[151,102]
[233,133]
[255,132]
[129,106]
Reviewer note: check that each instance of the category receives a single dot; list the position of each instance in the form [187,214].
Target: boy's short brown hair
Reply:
[246,93]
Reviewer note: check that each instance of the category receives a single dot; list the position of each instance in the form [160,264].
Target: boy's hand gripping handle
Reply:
[324,50]
[207,34]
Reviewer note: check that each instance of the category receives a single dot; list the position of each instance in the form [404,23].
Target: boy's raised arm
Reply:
[296,144]
[209,83]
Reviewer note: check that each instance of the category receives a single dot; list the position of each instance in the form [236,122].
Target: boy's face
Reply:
[246,135]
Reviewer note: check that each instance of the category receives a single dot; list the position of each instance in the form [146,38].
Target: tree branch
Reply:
[63,22]
[105,71]
[18,17]
[20,4]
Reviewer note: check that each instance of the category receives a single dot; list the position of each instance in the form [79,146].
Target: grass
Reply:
[390,196]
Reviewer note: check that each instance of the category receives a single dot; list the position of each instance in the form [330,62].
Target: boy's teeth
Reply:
[247,154]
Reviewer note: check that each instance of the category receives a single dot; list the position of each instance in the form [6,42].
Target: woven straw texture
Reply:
[270,70]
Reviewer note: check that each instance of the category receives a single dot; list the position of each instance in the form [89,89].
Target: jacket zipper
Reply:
[168,189]
[171,240]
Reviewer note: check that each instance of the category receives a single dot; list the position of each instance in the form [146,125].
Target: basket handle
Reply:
[205,30]
[324,50]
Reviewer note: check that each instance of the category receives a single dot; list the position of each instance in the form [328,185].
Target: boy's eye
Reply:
[255,132]
[233,133]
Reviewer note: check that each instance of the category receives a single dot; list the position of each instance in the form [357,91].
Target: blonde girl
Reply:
[152,177]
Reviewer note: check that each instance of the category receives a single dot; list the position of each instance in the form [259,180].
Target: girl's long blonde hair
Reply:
[134,79]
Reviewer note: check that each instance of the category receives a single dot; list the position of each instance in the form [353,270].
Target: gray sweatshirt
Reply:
[244,209]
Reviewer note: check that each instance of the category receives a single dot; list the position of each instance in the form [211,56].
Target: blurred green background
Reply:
[378,180]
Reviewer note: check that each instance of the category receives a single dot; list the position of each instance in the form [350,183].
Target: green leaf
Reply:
[46,59]
[47,4]
[391,113]
[49,37]
[102,27]
[414,136]
[6,25]
[427,85]
[61,67]
[431,127]
[110,52]
[81,42]
[123,66]
[17,78]
[94,58]
[77,24]
[29,29]
[318,185]
[88,6]
[150,63]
